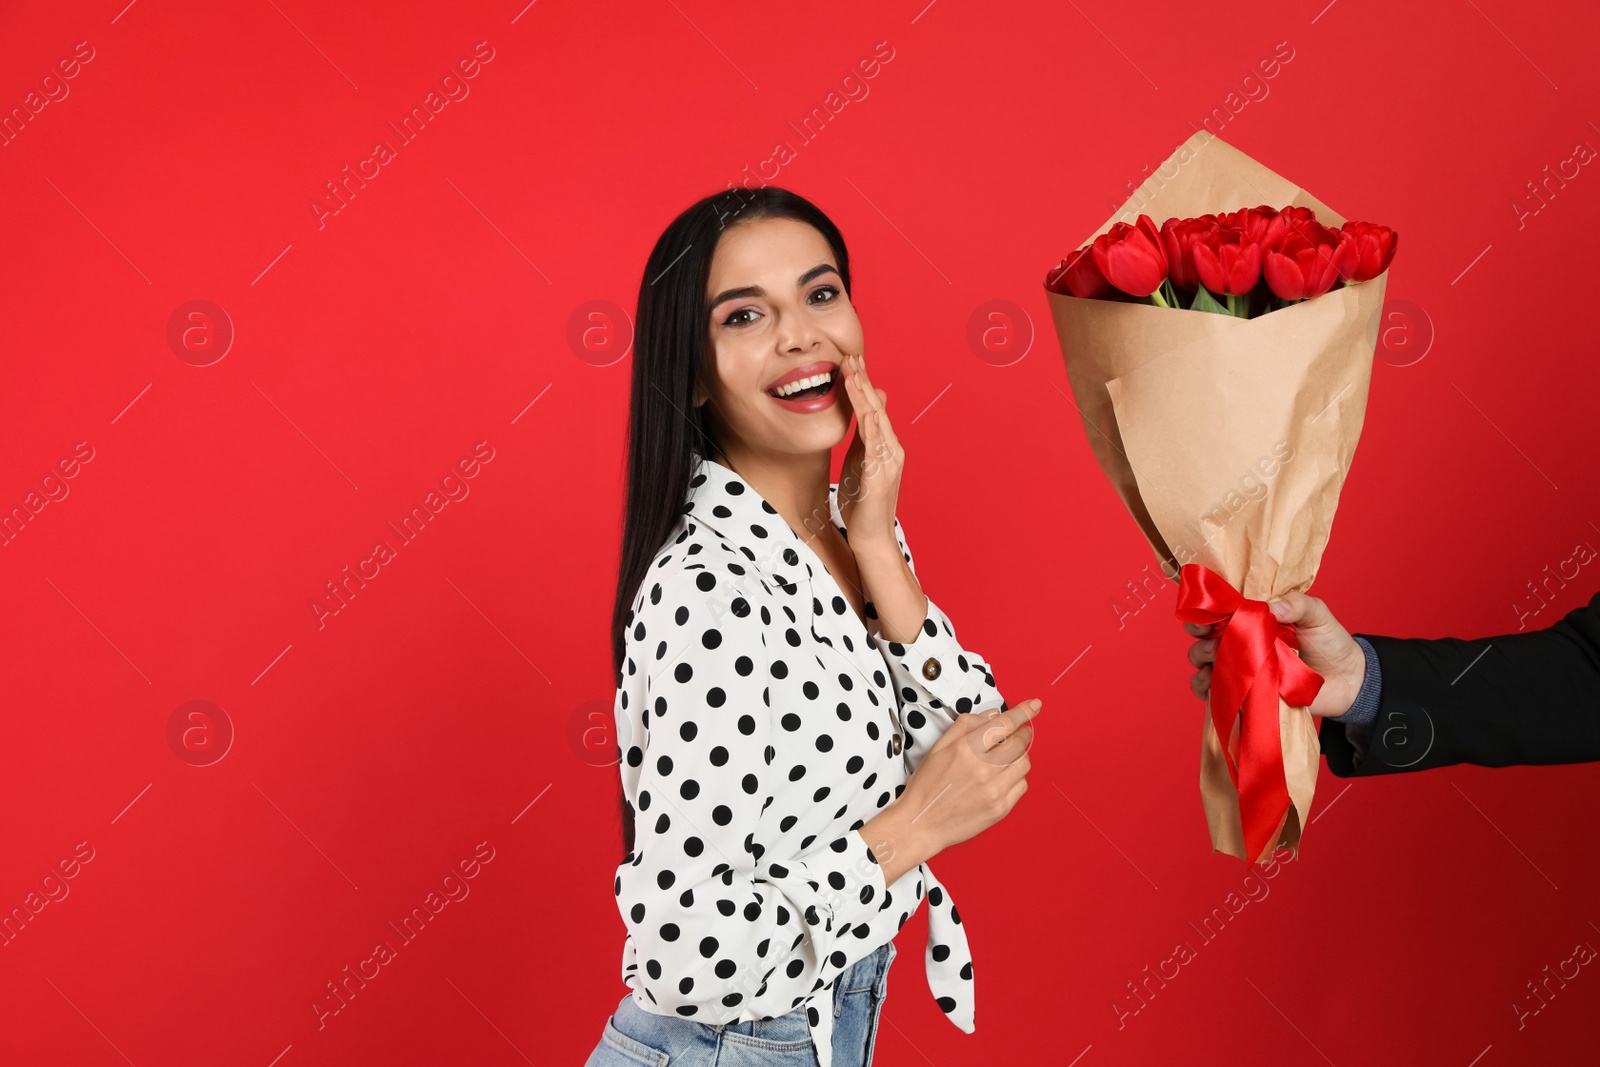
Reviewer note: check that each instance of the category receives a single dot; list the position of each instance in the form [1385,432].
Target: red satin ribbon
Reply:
[1255,662]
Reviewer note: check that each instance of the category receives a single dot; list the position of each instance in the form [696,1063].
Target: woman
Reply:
[790,706]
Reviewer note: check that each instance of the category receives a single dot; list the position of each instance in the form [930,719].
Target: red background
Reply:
[438,708]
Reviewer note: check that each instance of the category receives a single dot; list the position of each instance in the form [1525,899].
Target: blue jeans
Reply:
[634,1036]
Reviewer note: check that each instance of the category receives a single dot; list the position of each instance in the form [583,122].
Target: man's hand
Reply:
[1325,646]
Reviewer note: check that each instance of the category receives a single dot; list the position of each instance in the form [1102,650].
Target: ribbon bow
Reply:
[1255,663]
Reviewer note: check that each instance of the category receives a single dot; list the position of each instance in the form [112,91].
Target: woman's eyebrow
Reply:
[756,290]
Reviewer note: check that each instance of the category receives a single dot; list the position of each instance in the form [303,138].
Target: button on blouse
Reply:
[760,727]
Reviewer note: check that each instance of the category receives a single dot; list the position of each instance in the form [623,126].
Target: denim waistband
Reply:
[637,1021]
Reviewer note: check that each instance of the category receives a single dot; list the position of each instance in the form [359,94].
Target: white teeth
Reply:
[803,383]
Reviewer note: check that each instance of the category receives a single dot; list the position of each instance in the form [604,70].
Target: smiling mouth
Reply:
[810,393]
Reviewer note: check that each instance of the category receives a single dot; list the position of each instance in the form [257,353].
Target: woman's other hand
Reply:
[969,780]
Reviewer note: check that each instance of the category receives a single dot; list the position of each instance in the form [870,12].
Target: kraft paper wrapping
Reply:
[1228,439]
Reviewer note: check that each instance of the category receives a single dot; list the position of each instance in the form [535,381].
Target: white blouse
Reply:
[760,726]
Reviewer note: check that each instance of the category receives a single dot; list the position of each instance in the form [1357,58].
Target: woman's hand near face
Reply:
[869,484]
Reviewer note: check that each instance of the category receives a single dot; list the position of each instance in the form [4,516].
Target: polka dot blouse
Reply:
[760,727]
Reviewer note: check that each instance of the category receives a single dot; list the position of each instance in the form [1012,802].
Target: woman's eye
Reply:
[734,319]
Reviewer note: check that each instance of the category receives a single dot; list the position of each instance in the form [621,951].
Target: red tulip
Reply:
[1228,262]
[1375,247]
[1283,223]
[1178,238]
[1131,257]
[1077,275]
[1308,260]
[1252,220]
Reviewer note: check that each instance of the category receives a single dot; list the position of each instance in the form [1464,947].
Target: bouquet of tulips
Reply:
[1243,263]
[1227,429]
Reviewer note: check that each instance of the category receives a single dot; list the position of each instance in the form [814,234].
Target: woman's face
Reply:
[777,305]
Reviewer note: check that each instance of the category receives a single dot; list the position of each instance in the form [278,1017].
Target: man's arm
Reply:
[1522,698]
[1363,711]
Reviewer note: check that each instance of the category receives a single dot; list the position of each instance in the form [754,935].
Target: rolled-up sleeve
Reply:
[724,930]
[935,676]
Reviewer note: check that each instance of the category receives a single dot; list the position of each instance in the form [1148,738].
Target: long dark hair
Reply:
[667,432]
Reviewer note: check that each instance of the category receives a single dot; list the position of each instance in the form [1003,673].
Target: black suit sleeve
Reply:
[1521,698]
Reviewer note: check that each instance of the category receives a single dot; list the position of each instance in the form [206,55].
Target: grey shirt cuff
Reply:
[1364,710]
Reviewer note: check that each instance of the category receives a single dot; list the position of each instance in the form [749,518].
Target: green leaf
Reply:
[1204,301]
